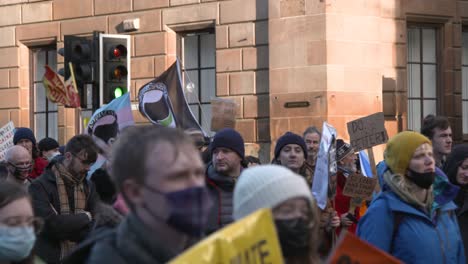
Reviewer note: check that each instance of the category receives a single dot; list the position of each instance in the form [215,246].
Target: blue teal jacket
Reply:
[418,238]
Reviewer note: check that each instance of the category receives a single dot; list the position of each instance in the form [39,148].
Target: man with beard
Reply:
[19,165]
[65,200]
[438,130]
[312,139]
[227,154]
[346,160]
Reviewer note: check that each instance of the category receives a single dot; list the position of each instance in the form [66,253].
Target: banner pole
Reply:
[370,153]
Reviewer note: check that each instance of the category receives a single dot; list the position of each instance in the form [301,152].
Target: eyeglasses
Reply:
[85,162]
[18,221]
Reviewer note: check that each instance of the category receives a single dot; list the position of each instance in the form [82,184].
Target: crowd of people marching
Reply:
[161,190]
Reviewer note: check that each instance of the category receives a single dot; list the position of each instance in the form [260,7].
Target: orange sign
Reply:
[350,249]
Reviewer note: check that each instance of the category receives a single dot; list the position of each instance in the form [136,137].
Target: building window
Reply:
[197,53]
[465,82]
[44,112]
[422,74]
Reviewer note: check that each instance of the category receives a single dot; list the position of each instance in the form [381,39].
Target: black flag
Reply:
[163,102]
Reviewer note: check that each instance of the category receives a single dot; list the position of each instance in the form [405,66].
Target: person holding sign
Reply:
[346,160]
[413,220]
[291,152]
[294,209]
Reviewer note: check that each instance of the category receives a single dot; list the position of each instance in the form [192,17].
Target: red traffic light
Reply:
[119,51]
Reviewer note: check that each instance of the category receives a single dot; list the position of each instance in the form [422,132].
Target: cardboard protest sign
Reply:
[359,186]
[6,138]
[253,239]
[325,165]
[368,131]
[223,114]
[351,249]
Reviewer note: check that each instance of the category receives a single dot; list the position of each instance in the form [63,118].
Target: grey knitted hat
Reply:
[266,186]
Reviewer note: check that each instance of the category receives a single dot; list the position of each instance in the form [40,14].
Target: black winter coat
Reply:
[130,242]
[57,227]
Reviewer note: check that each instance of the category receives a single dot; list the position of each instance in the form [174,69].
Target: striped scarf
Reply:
[63,177]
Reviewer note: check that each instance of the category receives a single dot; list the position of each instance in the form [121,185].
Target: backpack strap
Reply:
[397,220]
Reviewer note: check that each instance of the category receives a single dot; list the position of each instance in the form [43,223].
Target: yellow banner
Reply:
[253,239]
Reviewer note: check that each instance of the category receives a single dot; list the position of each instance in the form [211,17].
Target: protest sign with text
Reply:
[252,239]
[351,249]
[368,131]
[359,186]
[6,138]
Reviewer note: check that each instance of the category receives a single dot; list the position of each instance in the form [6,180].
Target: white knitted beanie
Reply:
[266,186]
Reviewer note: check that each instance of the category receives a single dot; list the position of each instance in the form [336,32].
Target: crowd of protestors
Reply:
[161,190]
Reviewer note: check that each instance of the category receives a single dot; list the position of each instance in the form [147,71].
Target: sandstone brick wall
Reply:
[347,58]
[241,41]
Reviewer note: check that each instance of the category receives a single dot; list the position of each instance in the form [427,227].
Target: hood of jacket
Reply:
[444,191]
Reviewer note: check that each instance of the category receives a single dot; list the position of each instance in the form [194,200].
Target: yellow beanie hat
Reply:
[400,150]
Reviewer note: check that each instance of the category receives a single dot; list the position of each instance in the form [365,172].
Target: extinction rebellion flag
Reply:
[163,102]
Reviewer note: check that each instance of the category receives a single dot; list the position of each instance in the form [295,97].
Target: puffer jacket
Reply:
[221,189]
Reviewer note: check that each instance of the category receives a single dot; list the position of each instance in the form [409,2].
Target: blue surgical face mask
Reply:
[16,243]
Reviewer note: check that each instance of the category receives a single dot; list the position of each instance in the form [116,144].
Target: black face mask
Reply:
[18,170]
[423,180]
[294,236]
[189,209]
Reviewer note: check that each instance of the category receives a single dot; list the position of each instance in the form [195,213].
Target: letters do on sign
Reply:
[359,186]
[368,131]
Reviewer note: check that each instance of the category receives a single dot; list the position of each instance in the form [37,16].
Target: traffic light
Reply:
[114,75]
[82,52]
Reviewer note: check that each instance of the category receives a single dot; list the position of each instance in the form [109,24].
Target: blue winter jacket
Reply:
[418,238]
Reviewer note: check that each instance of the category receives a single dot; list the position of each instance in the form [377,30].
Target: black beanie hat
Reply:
[342,149]
[24,133]
[47,144]
[290,138]
[228,138]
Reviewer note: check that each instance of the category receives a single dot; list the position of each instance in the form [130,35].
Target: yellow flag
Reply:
[252,239]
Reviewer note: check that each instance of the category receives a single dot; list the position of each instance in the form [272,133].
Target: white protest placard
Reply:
[368,131]
[6,138]
[324,165]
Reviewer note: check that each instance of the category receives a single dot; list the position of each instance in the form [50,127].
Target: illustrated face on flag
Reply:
[163,101]
[105,126]
[155,105]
